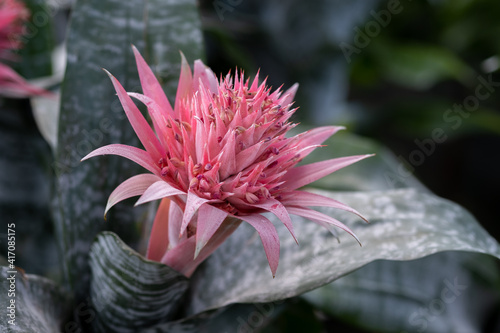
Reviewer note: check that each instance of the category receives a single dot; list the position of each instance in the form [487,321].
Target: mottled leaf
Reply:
[445,292]
[100,36]
[128,291]
[405,225]
[31,303]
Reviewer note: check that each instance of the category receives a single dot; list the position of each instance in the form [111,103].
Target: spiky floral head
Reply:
[220,153]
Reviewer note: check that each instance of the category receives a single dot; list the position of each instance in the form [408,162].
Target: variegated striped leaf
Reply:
[128,291]
[31,303]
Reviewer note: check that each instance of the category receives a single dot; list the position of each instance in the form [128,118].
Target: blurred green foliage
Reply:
[433,56]
[38,41]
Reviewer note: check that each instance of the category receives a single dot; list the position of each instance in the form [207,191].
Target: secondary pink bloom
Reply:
[219,157]
[13,14]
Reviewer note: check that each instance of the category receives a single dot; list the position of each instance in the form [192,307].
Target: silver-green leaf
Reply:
[232,318]
[404,225]
[31,303]
[100,36]
[446,292]
[128,291]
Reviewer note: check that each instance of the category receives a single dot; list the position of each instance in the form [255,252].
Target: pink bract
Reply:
[219,157]
[13,14]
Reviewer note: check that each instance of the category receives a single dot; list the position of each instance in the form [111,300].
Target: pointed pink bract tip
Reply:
[183,58]
[108,73]
[86,157]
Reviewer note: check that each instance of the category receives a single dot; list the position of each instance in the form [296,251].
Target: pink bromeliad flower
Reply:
[13,14]
[219,157]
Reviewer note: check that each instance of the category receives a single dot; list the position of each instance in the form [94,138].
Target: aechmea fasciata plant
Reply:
[220,156]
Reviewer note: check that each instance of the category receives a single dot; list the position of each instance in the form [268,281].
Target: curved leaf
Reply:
[36,305]
[404,225]
[46,114]
[128,291]
[445,292]
[232,318]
